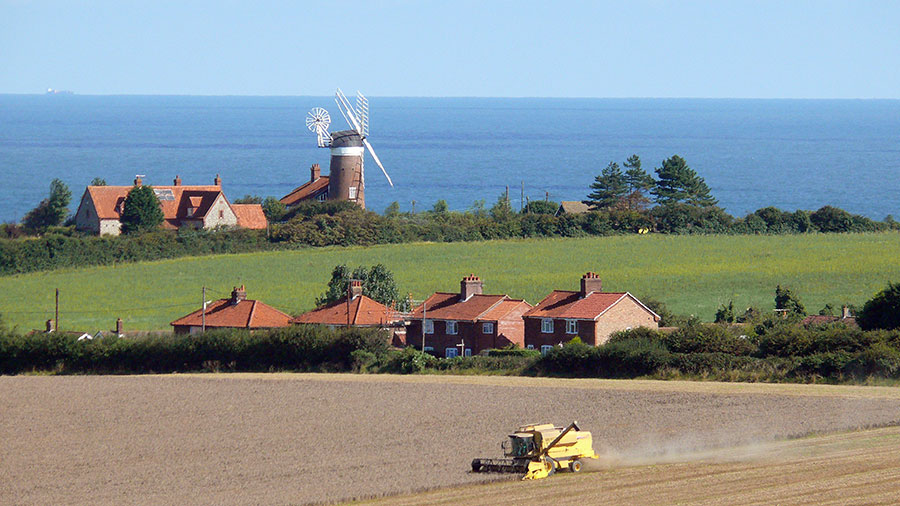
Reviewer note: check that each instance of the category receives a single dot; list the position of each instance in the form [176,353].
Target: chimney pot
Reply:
[177,180]
[314,172]
[238,294]
[217,181]
[590,282]
[355,288]
[138,181]
[845,312]
[469,286]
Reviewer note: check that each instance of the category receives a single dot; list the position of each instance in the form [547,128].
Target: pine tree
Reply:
[609,188]
[638,181]
[51,211]
[679,183]
[141,211]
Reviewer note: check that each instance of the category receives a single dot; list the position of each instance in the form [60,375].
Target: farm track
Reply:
[305,438]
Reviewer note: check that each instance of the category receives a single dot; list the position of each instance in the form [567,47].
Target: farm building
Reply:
[356,310]
[314,189]
[182,206]
[846,318]
[590,314]
[572,207]
[237,312]
[467,322]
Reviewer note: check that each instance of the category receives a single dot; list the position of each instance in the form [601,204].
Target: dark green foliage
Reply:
[392,210]
[699,338]
[881,311]
[679,218]
[678,183]
[541,207]
[98,181]
[609,188]
[249,199]
[440,207]
[502,210]
[725,314]
[638,183]
[51,211]
[786,300]
[141,211]
[310,208]
[377,283]
[274,209]
[831,219]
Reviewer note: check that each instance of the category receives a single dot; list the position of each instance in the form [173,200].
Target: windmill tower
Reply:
[347,179]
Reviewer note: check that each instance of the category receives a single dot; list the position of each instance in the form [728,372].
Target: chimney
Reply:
[845,312]
[238,294]
[590,282]
[217,181]
[119,327]
[314,172]
[469,286]
[355,288]
[51,326]
[177,180]
[138,181]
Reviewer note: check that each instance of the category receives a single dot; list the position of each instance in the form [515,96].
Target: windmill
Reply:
[346,173]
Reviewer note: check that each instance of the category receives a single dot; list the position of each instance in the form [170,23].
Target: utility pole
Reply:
[507,195]
[462,347]
[424,317]
[522,202]
[203,311]
[56,313]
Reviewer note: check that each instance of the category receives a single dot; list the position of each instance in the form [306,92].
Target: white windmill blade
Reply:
[362,112]
[372,152]
[347,110]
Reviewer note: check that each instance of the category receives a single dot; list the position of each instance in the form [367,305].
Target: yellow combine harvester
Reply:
[541,450]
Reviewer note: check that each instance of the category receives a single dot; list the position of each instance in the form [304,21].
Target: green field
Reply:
[691,274]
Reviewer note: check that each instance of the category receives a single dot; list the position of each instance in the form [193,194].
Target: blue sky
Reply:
[752,49]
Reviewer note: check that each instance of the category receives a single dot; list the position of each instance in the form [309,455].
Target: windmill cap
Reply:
[346,139]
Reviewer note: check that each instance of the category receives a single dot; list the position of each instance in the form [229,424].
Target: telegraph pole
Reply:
[424,316]
[203,311]
[522,202]
[56,313]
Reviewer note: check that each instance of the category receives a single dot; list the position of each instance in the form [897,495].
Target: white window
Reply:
[429,326]
[468,352]
[451,352]
[530,346]
[571,326]
[352,193]
[452,328]
[487,328]
[545,349]
[547,325]
[429,349]
[322,197]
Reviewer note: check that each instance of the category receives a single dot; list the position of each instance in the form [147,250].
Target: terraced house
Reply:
[467,322]
[203,206]
[590,313]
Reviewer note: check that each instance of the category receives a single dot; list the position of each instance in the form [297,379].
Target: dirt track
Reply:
[238,439]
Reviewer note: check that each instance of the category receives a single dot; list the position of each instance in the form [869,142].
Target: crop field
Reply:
[691,274]
[306,438]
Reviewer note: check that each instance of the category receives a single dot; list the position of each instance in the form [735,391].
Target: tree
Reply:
[786,300]
[440,207]
[377,283]
[51,211]
[541,207]
[141,211]
[249,199]
[637,181]
[832,219]
[502,211]
[725,314]
[679,183]
[882,311]
[392,210]
[274,209]
[98,181]
[609,188]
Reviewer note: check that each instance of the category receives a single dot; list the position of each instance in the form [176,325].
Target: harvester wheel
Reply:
[575,466]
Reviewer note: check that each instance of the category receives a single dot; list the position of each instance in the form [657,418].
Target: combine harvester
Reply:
[541,450]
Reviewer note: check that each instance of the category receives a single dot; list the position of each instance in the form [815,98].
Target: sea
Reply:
[792,154]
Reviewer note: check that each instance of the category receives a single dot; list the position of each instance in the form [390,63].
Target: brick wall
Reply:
[535,337]
[626,314]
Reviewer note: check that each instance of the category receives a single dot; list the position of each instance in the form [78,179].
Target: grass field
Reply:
[691,274]
[284,438]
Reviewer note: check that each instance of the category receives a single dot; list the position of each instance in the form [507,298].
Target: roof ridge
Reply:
[358,306]
[252,313]
[479,315]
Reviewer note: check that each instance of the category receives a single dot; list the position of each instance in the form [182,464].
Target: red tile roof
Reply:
[448,306]
[568,304]
[363,311]
[849,321]
[250,216]
[246,314]
[305,191]
[502,309]
[108,200]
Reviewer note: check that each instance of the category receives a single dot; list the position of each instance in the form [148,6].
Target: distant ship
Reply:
[51,91]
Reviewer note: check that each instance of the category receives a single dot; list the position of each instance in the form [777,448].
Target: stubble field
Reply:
[304,438]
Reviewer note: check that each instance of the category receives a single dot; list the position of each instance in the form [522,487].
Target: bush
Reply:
[882,311]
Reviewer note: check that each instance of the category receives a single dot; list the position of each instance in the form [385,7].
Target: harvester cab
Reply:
[540,450]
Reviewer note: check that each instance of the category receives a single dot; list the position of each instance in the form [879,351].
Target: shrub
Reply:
[882,311]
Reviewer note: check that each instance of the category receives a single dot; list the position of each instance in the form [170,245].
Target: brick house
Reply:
[467,322]
[590,313]
[356,310]
[314,189]
[237,312]
[100,209]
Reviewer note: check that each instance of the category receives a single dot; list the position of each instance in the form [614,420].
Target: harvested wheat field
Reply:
[306,438]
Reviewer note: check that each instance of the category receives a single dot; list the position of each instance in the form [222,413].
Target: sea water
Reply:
[793,154]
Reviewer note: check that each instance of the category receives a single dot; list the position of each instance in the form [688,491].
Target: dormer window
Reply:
[190,211]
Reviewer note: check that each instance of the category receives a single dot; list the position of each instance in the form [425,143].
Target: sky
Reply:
[715,49]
